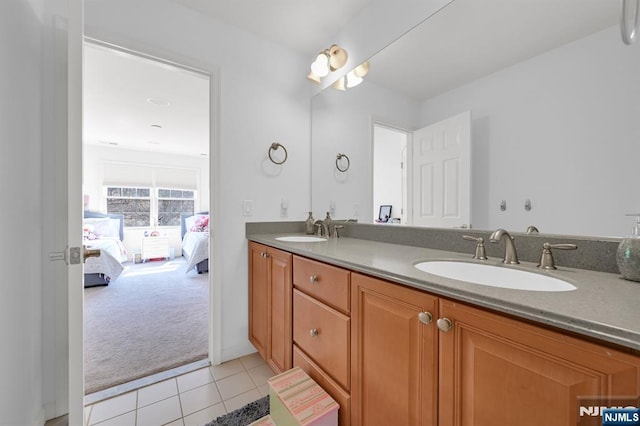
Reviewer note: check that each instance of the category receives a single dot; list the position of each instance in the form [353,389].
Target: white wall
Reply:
[264,99]
[21,38]
[343,123]
[388,148]
[549,130]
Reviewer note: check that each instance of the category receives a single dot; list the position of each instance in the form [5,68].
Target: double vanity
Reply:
[417,335]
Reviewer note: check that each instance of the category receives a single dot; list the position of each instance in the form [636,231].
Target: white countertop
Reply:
[604,305]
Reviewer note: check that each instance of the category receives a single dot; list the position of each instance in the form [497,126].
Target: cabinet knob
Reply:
[444,324]
[314,332]
[265,254]
[313,279]
[425,317]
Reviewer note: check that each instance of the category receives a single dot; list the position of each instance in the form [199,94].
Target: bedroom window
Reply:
[172,203]
[133,203]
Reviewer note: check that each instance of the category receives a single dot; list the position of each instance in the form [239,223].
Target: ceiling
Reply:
[301,25]
[465,41]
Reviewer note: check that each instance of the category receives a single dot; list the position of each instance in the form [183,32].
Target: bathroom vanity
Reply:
[395,345]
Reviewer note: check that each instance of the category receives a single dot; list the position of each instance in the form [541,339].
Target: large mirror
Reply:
[553,95]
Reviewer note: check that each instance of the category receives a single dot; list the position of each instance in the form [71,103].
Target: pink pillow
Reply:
[201,224]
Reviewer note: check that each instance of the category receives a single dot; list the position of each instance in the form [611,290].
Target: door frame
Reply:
[76,396]
[407,166]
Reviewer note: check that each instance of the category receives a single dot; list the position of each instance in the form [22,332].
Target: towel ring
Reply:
[338,158]
[274,147]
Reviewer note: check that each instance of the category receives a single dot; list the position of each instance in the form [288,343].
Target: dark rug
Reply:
[244,415]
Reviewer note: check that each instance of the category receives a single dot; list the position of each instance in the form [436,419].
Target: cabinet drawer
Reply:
[300,359]
[323,333]
[327,283]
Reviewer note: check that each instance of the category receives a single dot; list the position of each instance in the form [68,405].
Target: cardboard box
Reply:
[296,400]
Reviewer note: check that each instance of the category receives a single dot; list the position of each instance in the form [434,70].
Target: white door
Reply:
[68,207]
[441,173]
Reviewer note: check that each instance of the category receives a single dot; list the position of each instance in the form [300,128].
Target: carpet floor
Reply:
[152,318]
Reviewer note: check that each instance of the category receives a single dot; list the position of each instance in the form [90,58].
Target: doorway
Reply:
[146,159]
[389,174]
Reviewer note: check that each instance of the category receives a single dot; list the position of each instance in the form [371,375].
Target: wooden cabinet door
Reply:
[258,298]
[500,371]
[279,351]
[394,354]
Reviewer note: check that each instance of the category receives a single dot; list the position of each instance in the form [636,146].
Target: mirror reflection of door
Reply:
[389,172]
[441,170]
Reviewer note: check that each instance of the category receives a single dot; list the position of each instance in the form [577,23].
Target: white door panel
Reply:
[68,100]
[442,173]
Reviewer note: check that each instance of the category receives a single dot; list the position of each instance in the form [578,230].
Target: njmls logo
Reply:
[621,417]
[608,411]
[598,411]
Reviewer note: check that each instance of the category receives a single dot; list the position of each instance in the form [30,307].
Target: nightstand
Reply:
[154,248]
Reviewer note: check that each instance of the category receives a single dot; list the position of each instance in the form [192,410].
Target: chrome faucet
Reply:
[321,228]
[510,254]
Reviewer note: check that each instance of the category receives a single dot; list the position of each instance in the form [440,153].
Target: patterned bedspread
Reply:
[109,263]
[195,248]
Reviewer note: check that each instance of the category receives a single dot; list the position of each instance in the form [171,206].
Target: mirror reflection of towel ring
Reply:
[274,147]
[338,158]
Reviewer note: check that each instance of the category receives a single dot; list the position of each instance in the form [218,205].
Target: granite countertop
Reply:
[604,305]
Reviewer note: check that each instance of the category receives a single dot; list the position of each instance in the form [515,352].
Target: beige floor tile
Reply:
[260,374]
[157,392]
[242,399]
[264,390]
[128,419]
[252,360]
[227,369]
[179,422]
[205,416]
[194,379]
[113,407]
[160,413]
[235,385]
[199,398]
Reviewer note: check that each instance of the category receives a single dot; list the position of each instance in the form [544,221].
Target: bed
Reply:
[194,231]
[105,232]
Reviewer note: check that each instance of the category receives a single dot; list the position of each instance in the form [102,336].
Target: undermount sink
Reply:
[494,276]
[301,239]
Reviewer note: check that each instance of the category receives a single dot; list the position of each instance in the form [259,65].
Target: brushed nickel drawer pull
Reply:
[314,332]
[313,279]
[444,324]
[425,317]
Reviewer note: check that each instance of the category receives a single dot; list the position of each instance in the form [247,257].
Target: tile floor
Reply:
[193,398]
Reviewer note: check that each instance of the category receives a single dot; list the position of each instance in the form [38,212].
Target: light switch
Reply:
[247,207]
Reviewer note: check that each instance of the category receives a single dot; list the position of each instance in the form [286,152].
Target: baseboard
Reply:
[38,419]
[53,411]
[237,351]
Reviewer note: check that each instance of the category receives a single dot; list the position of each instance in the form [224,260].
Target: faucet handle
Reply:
[480,252]
[336,230]
[546,260]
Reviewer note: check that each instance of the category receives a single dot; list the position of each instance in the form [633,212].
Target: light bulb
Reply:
[353,80]
[320,66]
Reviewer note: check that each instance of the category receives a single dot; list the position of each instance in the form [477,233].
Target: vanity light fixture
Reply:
[353,77]
[330,59]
